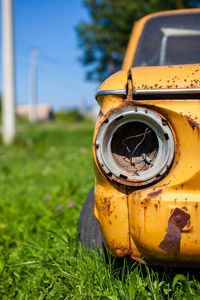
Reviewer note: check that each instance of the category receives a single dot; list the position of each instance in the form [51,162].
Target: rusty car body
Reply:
[147,142]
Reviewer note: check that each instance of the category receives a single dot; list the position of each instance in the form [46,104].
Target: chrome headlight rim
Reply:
[159,126]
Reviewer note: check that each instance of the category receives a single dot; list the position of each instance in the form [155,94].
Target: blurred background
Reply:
[46,30]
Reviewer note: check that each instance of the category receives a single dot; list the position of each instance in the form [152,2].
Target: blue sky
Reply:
[49,27]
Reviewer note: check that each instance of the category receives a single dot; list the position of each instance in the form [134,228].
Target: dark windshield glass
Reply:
[170,40]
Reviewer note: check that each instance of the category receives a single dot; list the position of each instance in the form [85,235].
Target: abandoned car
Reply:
[146,146]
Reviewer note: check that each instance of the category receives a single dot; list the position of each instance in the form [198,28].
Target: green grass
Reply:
[44,179]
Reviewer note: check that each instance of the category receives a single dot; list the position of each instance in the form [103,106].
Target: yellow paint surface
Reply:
[135,221]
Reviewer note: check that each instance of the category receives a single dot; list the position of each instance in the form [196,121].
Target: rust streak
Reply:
[145,217]
[154,194]
[194,124]
[106,206]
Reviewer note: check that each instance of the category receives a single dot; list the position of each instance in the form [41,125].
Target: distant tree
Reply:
[104,38]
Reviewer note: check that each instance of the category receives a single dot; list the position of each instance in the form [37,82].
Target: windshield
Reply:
[169,40]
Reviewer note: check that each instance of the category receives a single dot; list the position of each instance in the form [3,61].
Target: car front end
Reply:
[146,157]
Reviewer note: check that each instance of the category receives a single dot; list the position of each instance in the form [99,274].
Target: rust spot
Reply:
[196,205]
[194,124]
[118,250]
[164,122]
[156,206]
[188,224]
[185,208]
[154,194]
[106,206]
[176,222]
[147,200]
[140,260]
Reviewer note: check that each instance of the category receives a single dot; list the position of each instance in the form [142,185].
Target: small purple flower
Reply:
[59,207]
[71,204]
[47,196]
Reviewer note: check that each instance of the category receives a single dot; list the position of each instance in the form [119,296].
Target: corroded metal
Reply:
[177,79]
[177,221]
[193,123]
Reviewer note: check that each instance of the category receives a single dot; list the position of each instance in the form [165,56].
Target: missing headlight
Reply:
[133,148]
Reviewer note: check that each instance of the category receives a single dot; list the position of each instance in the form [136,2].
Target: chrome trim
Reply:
[111,92]
[167,91]
[148,92]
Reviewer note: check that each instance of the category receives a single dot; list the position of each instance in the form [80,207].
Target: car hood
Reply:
[161,78]
[179,79]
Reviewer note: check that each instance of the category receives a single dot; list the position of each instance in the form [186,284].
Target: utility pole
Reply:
[8,101]
[33,87]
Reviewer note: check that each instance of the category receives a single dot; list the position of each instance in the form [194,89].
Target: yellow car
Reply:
[146,147]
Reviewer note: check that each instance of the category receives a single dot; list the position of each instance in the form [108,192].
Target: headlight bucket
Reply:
[134,146]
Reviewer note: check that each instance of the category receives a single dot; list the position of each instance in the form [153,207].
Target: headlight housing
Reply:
[134,146]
